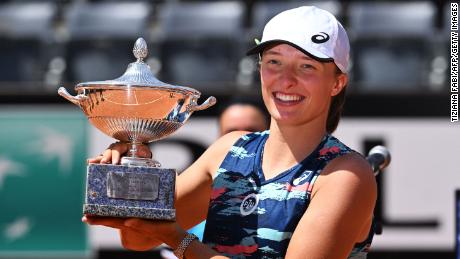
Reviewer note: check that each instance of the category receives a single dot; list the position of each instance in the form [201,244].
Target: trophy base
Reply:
[130,191]
[128,212]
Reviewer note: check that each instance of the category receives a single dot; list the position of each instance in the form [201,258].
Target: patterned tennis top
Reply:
[250,217]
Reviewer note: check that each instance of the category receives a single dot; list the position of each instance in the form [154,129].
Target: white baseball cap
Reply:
[312,30]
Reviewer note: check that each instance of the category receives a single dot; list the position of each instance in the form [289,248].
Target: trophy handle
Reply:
[206,104]
[73,99]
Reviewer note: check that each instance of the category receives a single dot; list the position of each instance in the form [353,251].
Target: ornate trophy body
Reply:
[135,108]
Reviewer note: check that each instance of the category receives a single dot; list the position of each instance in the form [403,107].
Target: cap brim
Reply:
[262,46]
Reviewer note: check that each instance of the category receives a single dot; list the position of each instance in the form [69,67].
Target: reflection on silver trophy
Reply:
[135,108]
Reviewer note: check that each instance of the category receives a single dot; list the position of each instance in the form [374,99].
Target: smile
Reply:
[289,98]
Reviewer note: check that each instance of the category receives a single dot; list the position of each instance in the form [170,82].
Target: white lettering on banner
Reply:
[454,74]
[453,107]
[454,16]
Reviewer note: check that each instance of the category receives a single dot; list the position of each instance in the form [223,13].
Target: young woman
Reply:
[291,192]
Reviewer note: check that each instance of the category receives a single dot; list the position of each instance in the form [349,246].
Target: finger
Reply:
[106,156]
[94,160]
[115,157]
[104,221]
[118,149]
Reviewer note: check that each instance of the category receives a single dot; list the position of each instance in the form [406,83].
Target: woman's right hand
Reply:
[130,238]
[137,241]
[112,155]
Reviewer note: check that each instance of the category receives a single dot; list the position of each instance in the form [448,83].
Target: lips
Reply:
[287,98]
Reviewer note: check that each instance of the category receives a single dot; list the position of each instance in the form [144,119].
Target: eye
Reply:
[307,66]
[273,62]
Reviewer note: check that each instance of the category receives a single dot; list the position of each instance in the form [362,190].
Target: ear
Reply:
[340,83]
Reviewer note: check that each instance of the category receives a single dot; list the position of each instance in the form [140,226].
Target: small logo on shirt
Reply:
[249,204]
[304,176]
[320,38]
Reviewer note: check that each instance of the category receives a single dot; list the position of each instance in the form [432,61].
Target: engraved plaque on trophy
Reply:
[137,109]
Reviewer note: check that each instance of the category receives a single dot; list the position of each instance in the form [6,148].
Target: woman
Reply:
[291,192]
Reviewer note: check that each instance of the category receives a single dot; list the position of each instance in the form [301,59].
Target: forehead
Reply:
[283,49]
[286,50]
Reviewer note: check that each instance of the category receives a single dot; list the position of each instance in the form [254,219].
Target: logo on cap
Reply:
[320,38]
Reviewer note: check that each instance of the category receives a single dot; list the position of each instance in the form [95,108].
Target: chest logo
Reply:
[249,204]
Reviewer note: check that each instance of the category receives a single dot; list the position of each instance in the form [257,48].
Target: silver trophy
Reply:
[137,109]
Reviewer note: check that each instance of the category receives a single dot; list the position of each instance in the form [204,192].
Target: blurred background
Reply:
[398,96]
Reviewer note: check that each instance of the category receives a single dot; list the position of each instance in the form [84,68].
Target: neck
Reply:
[288,145]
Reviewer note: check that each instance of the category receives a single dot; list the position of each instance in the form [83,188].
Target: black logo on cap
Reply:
[320,38]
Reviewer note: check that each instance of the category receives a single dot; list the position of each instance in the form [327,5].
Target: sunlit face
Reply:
[296,88]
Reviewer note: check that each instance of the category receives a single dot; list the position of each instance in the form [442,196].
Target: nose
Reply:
[288,78]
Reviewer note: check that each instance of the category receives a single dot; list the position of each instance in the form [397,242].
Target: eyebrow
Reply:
[308,58]
[273,52]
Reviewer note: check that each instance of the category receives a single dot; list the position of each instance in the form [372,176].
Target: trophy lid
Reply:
[138,75]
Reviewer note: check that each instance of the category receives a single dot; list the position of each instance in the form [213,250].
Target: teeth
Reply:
[287,98]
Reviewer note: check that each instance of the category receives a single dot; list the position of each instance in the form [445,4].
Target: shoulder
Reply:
[352,161]
[226,141]
[216,153]
[340,210]
[235,138]
[333,148]
[350,174]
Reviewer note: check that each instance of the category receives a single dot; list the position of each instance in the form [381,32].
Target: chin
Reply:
[288,120]
[297,118]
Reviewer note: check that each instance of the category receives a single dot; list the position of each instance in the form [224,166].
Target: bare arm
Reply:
[340,211]
[194,184]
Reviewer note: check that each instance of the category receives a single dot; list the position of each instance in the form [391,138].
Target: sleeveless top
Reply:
[250,217]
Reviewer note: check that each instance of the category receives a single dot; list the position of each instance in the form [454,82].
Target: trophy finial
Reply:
[140,50]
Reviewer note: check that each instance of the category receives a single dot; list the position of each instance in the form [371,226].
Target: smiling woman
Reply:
[294,191]
[293,82]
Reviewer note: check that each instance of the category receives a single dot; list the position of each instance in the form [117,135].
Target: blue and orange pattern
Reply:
[265,229]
